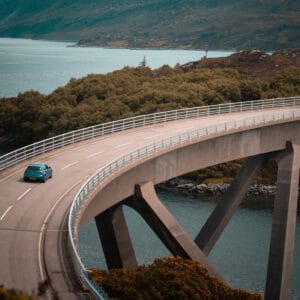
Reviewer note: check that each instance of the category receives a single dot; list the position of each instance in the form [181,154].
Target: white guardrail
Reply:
[150,149]
[72,137]
[79,135]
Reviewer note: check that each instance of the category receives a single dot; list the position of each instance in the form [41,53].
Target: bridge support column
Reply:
[166,227]
[278,285]
[115,239]
[226,207]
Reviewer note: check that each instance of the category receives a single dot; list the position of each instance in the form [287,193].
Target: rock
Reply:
[187,186]
[257,190]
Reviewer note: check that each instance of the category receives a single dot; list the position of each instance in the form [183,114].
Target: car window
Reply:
[33,168]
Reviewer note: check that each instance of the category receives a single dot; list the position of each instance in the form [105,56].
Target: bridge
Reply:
[99,169]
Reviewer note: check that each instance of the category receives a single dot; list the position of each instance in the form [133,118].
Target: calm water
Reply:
[43,66]
[241,253]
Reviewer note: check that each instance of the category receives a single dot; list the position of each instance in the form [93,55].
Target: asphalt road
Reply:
[32,214]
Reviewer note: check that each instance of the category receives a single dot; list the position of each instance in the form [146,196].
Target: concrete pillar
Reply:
[166,227]
[115,239]
[226,207]
[279,275]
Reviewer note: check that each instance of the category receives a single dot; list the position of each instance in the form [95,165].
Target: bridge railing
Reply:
[30,151]
[110,169]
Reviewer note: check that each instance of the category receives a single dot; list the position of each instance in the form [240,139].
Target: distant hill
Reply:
[216,24]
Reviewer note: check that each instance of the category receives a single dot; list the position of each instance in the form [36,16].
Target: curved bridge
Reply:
[127,158]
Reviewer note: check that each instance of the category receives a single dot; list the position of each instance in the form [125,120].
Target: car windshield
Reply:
[33,168]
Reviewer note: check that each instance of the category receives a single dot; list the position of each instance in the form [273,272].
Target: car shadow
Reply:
[22,180]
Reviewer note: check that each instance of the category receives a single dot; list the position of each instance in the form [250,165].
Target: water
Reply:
[240,255]
[44,66]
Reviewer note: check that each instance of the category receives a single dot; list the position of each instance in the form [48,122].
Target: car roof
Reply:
[36,165]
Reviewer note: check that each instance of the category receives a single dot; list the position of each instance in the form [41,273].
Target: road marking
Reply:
[20,197]
[57,230]
[70,165]
[151,136]
[10,175]
[44,228]
[121,145]
[94,154]
[183,129]
[6,212]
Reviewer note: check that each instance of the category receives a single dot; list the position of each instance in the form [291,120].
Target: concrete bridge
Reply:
[99,169]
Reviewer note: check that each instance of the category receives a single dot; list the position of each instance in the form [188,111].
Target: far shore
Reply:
[258,195]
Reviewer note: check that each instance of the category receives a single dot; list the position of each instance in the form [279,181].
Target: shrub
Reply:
[167,278]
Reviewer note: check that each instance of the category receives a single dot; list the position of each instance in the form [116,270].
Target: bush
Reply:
[13,295]
[128,92]
[167,278]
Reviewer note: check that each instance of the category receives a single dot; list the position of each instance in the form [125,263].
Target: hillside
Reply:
[216,24]
[94,99]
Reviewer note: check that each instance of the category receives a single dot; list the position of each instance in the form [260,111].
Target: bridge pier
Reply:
[115,239]
[118,247]
[227,206]
[281,254]
[166,227]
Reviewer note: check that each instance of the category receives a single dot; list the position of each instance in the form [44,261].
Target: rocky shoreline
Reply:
[258,192]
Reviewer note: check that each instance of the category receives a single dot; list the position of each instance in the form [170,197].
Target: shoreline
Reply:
[150,48]
[258,195]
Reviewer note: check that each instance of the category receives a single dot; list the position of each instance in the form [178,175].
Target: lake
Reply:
[241,253]
[43,66]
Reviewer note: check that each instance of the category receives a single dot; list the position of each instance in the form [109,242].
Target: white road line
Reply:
[70,165]
[121,145]
[151,136]
[20,197]
[10,175]
[45,224]
[6,212]
[183,129]
[94,154]
[57,230]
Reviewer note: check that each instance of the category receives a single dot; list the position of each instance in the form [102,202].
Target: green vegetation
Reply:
[226,172]
[167,278]
[185,24]
[13,295]
[94,99]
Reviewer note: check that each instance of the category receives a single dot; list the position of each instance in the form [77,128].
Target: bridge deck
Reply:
[29,209]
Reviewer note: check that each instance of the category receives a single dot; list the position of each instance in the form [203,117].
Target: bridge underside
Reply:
[258,146]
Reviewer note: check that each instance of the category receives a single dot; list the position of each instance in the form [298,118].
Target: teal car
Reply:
[37,172]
